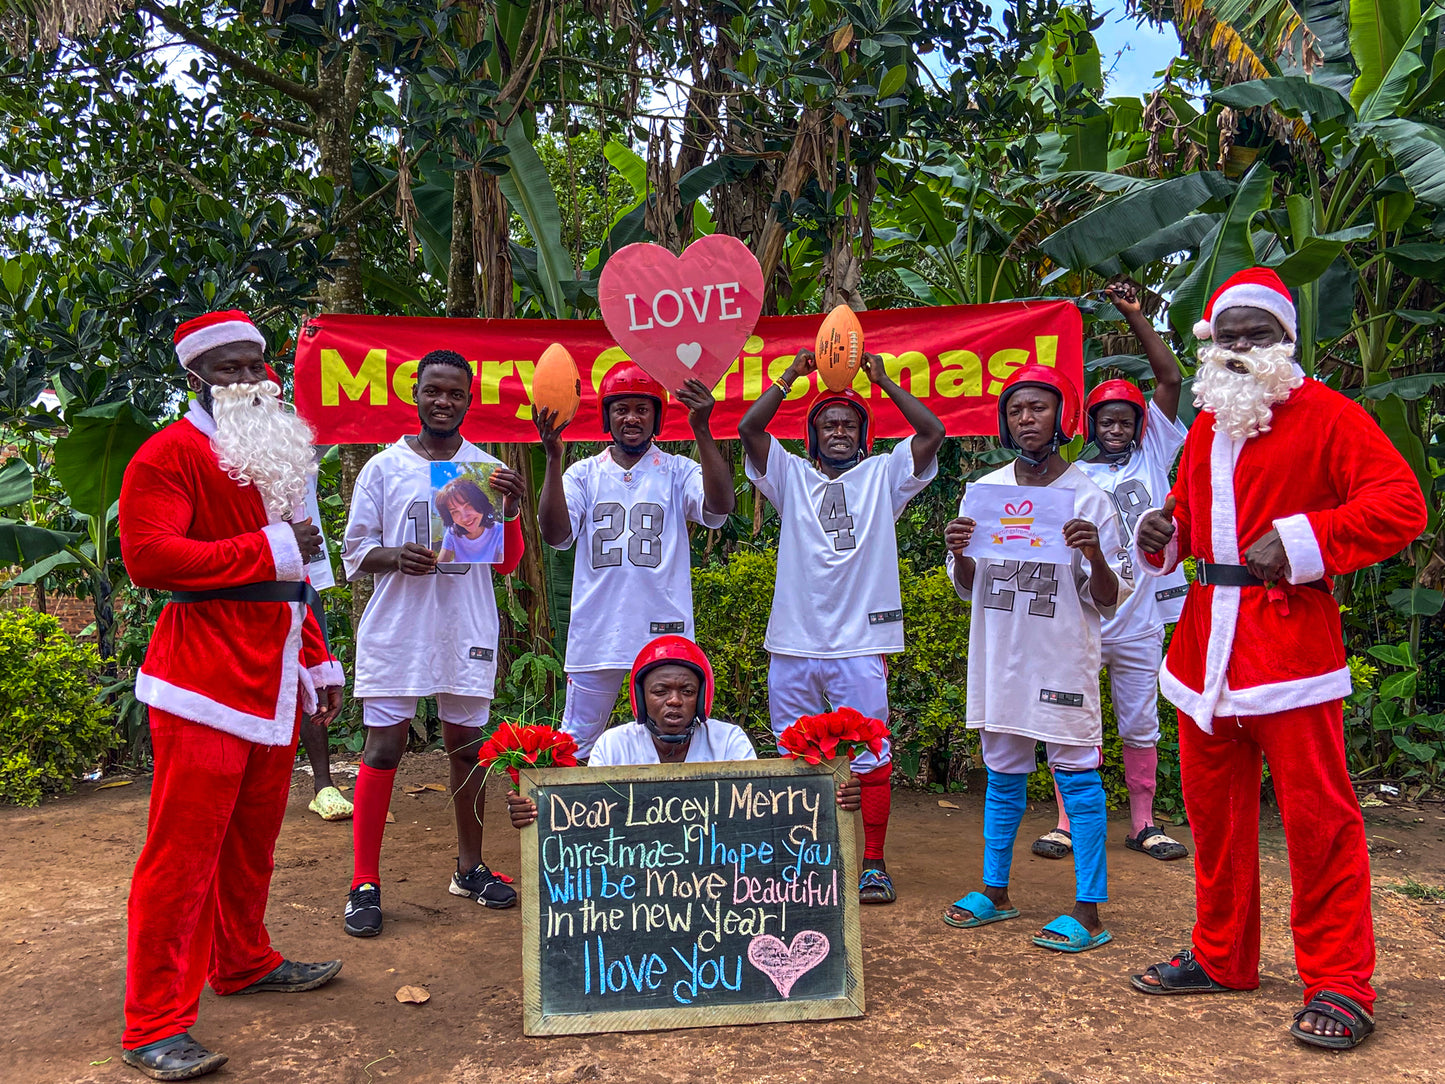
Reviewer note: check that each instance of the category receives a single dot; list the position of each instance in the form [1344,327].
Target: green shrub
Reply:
[52,724]
[731,603]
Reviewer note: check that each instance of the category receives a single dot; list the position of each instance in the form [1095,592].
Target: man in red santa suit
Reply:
[1282,485]
[210,509]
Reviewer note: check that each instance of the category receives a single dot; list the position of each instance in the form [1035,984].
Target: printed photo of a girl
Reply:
[472,532]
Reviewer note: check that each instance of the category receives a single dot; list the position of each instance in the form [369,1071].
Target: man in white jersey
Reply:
[837,607]
[675,681]
[1033,659]
[430,629]
[1137,443]
[628,508]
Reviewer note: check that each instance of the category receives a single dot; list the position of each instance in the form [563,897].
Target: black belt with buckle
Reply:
[1239,576]
[268,591]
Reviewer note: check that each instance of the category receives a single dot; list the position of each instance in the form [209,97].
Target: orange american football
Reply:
[839,348]
[556,385]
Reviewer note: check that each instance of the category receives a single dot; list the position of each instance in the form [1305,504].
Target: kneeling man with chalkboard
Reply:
[679,881]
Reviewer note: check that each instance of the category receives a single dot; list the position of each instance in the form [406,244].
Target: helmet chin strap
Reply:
[1042,461]
[1121,457]
[671,739]
[841,464]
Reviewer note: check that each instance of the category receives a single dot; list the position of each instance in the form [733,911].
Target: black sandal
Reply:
[292,977]
[1342,1010]
[178,1058]
[1181,975]
[1161,847]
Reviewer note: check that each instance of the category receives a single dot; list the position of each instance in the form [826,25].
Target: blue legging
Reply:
[1003,811]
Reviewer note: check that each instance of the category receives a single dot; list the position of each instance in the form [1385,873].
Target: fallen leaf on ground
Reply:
[105,1061]
[948,805]
[115,783]
[584,1071]
[413,995]
[390,819]
[414,788]
[435,786]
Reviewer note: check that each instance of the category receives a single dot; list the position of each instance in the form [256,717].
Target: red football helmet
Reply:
[1034,375]
[827,398]
[675,651]
[1117,391]
[629,379]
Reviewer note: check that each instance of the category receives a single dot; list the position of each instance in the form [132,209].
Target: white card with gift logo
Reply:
[1018,523]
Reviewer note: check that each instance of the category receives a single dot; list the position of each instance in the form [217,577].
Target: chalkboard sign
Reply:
[686,895]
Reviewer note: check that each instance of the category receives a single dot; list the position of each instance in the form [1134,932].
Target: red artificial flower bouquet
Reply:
[847,731]
[516,746]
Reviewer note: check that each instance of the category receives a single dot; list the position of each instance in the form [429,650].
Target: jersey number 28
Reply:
[642,524]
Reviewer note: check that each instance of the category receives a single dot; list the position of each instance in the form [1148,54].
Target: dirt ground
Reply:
[944,1005]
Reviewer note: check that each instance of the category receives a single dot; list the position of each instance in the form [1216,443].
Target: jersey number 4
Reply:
[1035,578]
[642,525]
[833,515]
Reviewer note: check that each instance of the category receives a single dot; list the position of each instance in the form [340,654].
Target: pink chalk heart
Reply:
[1023,508]
[785,964]
[682,316]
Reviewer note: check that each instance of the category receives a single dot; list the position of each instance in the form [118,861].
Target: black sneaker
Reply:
[363,911]
[484,886]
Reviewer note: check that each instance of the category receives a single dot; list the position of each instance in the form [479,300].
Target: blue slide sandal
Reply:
[982,910]
[1079,938]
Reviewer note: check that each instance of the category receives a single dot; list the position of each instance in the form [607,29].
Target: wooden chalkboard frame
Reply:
[536,1023]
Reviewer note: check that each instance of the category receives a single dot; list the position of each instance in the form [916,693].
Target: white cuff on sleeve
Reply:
[329,673]
[285,554]
[1171,554]
[1306,562]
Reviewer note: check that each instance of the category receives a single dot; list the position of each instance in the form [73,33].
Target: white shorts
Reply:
[1134,687]
[798,686]
[591,695]
[457,710]
[1014,754]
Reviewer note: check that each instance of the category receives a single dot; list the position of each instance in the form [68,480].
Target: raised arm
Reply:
[927,428]
[718,496]
[753,429]
[1124,294]
[552,515]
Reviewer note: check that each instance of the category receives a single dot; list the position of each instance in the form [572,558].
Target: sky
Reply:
[1132,53]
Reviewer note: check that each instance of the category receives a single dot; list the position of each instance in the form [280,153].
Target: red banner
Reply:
[355,374]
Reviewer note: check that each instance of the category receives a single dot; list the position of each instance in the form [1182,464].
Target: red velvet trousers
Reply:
[1334,933]
[198,894]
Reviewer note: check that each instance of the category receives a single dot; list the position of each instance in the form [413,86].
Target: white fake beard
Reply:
[260,441]
[1242,403]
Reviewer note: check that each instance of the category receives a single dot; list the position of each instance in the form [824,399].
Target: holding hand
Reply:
[1080,534]
[523,811]
[1267,558]
[308,539]
[698,398]
[1156,527]
[850,794]
[957,534]
[548,429]
[872,364]
[413,559]
[328,707]
[804,362]
[1123,294]
[508,483]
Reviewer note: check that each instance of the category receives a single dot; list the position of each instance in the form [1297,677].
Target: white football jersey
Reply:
[1033,637]
[837,592]
[1138,485]
[632,580]
[420,635]
[631,743]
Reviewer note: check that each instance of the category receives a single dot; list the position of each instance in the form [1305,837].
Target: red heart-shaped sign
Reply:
[682,316]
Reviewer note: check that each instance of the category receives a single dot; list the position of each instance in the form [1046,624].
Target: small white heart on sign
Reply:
[689,353]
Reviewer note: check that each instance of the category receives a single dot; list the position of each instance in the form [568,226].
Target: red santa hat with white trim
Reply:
[1252,288]
[195,337]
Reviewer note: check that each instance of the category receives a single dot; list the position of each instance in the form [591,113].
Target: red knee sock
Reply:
[368,821]
[877,797]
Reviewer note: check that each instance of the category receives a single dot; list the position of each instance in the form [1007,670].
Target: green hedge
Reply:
[926,683]
[52,724]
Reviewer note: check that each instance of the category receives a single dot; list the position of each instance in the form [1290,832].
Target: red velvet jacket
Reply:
[1341,497]
[241,667]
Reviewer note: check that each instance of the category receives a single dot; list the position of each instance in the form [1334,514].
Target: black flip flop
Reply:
[1166,850]
[1342,1010]
[1181,975]
[178,1058]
